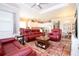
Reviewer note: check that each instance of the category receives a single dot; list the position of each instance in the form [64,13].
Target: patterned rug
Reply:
[55,49]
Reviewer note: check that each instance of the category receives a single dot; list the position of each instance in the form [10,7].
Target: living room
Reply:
[38,29]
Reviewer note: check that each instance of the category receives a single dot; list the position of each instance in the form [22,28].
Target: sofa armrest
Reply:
[6,40]
[50,33]
[1,50]
[22,52]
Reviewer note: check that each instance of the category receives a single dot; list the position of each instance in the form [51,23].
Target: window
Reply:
[6,24]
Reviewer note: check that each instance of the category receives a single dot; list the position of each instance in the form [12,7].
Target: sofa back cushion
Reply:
[7,40]
[35,30]
[57,31]
[24,31]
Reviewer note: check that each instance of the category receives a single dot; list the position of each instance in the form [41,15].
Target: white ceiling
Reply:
[49,10]
[29,5]
[43,5]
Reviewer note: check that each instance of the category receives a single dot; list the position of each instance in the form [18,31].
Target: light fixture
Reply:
[37,3]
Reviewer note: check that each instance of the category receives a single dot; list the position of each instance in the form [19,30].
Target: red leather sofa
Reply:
[11,47]
[30,34]
[55,35]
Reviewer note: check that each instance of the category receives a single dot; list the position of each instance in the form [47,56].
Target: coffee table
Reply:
[42,42]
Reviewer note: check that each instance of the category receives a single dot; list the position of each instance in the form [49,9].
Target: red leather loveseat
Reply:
[30,34]
[11,47]
[55,35]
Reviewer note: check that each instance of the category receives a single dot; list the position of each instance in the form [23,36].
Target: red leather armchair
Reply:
[11,47]
[55,35]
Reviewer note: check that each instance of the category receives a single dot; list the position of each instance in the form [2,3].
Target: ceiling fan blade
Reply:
[36,5]
[33,5]
[39,6]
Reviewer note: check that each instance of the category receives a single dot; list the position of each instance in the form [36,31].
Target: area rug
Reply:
[55,49]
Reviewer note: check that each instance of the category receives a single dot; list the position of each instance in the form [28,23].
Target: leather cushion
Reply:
[1,50]
[18,45]
[22,52]
[9,48]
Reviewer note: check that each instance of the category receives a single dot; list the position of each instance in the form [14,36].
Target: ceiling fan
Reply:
[36,4]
